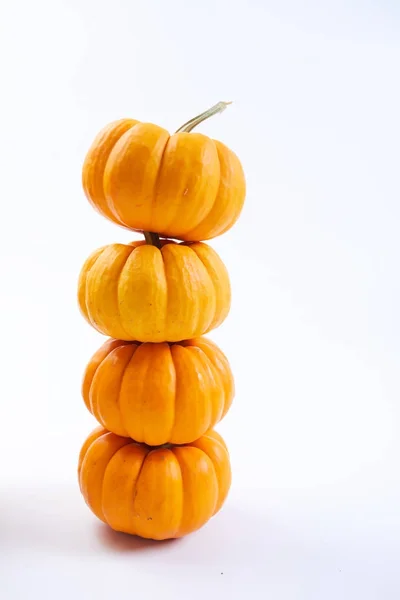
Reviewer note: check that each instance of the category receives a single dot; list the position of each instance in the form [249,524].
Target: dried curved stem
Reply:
[214,110]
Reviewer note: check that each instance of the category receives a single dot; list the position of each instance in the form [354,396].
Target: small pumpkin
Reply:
[156,493]
[158,393]
[185,186]
[138,292]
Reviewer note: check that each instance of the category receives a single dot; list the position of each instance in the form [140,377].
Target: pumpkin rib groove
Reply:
[119,392]
[141,420]
[193,447]
[216,441]
[215,417]
[93,404]
[216,438]
[207,328]
[210,324]
[83,455]
[156,182]
[229,394]
[167,292]
[167,223]
[228,398]
[175,388]
[91,385]
[110,205]
[122,414]
[118,344]
[87,275]
[118,278]
[211,411]
[135,490]
[216,481]
[94,408]
[178,529]
[215,351]
[99,153]
[104,475]
[187,234]
[108,167]
[218,375]
[216,321]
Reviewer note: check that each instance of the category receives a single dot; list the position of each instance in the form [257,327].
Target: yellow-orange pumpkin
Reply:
[138,292]
[158,393]
[157,493]
[185,186]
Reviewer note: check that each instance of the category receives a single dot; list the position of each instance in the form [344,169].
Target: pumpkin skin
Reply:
[158,393]
[185,186]
[138,292]
[156,493]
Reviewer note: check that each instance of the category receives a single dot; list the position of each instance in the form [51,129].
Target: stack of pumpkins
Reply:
[155,467]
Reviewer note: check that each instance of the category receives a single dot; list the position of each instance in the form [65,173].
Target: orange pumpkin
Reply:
[158,493]
[138,292]
[158,393]
[185,186]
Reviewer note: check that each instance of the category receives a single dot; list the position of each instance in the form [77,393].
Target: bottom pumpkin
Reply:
[154,492]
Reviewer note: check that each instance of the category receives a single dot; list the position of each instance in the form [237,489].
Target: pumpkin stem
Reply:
[152,238]
[214,110]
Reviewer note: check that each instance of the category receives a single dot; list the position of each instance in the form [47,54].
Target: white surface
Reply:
[313,335]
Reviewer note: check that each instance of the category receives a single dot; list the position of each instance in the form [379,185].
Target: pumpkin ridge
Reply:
[217,439]
[187,234]
[167,292]
[122,415]
[176,532]
[87,275]
[91,403]
[176,384]
[103,478]
[216,480]
[167,224]
[109,202]
[136,482]
[218,380]
[93,378]
[178,529]
[118,299]
[82,457]
[155,186]
[207,328]
[213,441]
[235,215]
[226,400]
[189,447]
[209,325]
[142,421]
[216,321]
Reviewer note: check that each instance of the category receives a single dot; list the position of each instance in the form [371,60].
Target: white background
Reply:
[314,332]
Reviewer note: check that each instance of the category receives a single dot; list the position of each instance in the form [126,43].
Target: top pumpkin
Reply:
[185,186]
